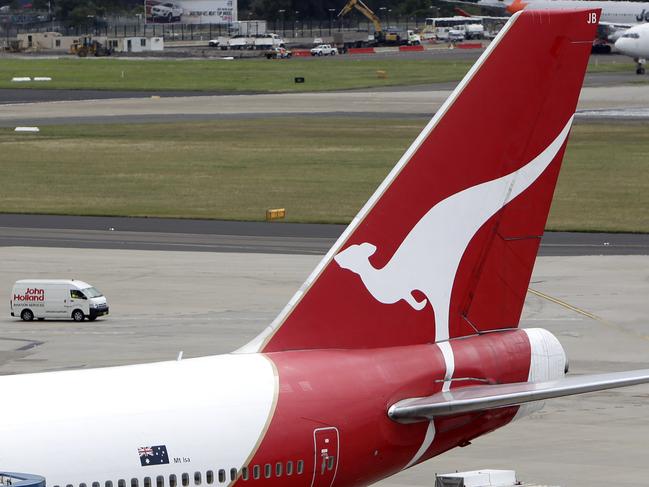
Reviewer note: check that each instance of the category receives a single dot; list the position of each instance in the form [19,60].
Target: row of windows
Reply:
[221,476]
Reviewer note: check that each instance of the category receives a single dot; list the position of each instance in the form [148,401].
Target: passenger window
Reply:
[233,474]
[160,481]
[185,479]
[121,483]
[197,478]
[330,463]
[69,485]
[94,484]
[268,470]
[278,469]
[289,468]
[244,473]
[108,483]
[147,481]
[134,482]
[256,470]
[209,477]
[172,481]
[82,484]
[221,475]
[300,467]
[76,294]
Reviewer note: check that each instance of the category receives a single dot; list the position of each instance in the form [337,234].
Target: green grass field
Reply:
[238,75]
[216,170]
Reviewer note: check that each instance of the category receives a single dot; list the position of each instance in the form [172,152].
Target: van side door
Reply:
[56,300]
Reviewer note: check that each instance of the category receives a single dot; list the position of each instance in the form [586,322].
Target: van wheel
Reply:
[27,315]
[77,315]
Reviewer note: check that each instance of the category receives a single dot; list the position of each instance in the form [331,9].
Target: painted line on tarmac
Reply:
[585,313]
[564,304]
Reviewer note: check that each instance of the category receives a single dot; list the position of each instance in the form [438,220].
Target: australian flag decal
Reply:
[153,455]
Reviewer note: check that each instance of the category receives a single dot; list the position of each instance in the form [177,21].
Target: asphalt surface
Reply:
[252,237]
[38,95]
[210,303]
[393,103]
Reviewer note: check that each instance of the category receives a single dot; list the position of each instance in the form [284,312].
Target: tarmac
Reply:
[254,237]
[397,103]
[209,303]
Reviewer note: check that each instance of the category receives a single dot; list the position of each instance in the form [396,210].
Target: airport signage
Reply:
[190,11]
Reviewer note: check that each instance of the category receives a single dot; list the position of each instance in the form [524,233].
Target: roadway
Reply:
[250,237]
[394,102]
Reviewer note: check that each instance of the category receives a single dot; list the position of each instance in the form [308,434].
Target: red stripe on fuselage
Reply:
[352,390]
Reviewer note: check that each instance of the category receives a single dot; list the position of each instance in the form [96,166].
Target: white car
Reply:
[324,50]
[167,11]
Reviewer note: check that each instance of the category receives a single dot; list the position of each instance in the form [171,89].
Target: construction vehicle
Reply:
[389,37]
[87,46]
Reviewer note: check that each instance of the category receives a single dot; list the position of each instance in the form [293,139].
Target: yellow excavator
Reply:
[381,37]
[85,46]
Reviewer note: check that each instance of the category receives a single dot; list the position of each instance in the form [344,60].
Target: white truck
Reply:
[474,31]
[324,50]
[239,42]
[414,39]
[58,299]
[268,41]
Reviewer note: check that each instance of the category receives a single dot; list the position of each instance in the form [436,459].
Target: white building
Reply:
[136,44]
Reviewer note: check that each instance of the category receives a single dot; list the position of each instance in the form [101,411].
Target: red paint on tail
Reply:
[363,296]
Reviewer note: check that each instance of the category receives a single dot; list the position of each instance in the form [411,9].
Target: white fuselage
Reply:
[613,12]
[635,42]
[67,424]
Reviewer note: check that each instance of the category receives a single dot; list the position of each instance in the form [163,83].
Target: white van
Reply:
[56,299]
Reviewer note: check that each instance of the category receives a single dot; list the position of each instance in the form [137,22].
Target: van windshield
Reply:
[91,292]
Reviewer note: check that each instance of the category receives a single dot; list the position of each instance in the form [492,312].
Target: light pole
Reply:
[281,13]
[331,15]
[297,12]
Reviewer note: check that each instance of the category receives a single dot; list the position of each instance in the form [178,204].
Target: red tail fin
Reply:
[446,245]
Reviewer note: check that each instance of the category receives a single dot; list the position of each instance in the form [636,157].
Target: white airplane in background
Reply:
[613,12]
[635,43]
[616,16]
[401,345]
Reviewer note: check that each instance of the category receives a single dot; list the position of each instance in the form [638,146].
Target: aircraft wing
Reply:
[479,398]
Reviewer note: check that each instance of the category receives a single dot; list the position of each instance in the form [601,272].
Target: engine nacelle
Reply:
[548,361]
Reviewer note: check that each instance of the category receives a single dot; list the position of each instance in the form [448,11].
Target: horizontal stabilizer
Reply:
[479,398]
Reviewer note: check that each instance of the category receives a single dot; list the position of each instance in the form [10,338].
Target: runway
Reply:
[250,237]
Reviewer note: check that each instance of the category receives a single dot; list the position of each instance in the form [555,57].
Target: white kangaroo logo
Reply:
[428,258]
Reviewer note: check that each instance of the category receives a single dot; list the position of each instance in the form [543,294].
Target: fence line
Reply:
[189,32]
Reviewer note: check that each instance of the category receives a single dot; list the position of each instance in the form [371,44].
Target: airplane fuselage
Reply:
[613,12]
[313,417]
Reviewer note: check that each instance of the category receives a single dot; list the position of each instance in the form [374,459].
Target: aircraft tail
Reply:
[446,245]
